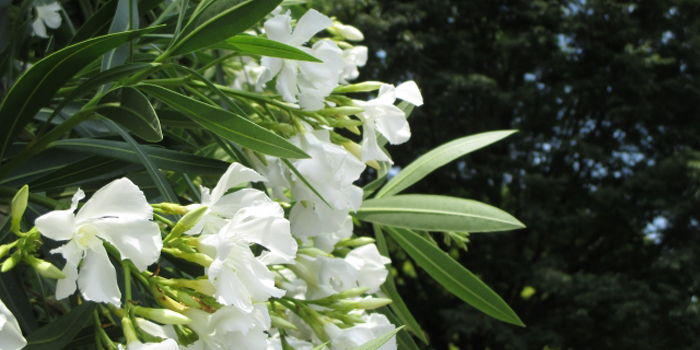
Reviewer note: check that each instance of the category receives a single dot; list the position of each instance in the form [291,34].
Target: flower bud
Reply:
[312,252]
[172,209]
[353,292]
[356,242]
[344,110]
[280,322]
[19,205]
[187,222]
[10,262]
[365,304]
[348,32]
[44,267]
[185,335]
[201,285]
[364,86]
[5,248]
[163,316]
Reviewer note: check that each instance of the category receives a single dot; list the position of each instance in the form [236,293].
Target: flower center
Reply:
[87,236]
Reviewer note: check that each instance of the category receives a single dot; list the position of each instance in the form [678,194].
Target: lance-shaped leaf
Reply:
[220,20]
[163,158]
[38,85]
[132,110]
[377,342]
[438,157]
[98,23]
[265,47]
[61,331]
[403,339]
[453,276]
[436,213]
[84,169]
[121,23]
[227,124]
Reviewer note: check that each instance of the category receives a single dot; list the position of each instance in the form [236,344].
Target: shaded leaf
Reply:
[38,85]
[453,276]
[81,170]
[134,112]
[61,331]
[118,56]
[265,47]
[377,342]
[436,213]
[220,20]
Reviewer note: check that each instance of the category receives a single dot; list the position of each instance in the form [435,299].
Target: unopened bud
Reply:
[344,110]
[348,32]
[364,86]
[163,316]
[312,252]
[353,292]
[5,248]
[10,262]
[365,304]
[19,205]
[185,335]
[280,322]
[355,242]
[187,222]
[173,209]
[44,268]
[201,285]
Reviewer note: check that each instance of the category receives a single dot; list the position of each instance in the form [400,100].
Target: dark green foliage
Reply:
[606,97]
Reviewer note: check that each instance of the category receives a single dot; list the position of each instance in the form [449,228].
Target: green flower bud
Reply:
[5,248]
[359,87]
[172,209]
[163,316]
[201,285]
[365,304]
[10,262]
[185,335]
[356,242]
[280,322]
[19,205]
[44,268]
[187,222]
[344,110]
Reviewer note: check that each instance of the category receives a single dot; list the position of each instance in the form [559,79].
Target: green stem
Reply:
[127,281]
[34,198]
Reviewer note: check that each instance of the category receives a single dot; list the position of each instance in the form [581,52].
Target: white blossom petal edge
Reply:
[10,334]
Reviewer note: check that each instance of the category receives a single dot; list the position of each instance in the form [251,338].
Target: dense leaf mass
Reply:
[606,97]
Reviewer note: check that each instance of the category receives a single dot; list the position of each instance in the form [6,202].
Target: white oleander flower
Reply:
[331,171]
[325,276]
[307,82]
[117,213]
[381,115]
[239,277]
[11,337]
[370,264]
[375,326]
[327,241]
[47,15]
[223,206]
[275,343]
[229,327]
[168,344]
[352,58]
[248,75]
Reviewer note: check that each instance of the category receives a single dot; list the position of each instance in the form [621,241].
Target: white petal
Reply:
[287,82]
[231,291]
[231,319]
[260,225]
[39,28]
[137,240]
[386,96]
[279,28]
[273,65]
[260,281]
[370,264]
[168,344]
[58,225]
[120,198]
[311,102]
[235,174]
[410,93]
[393,125]
[49,14]
[349,32]
[308,25]
[98,278]
[10,332]
[231,203]
[165,332]
[370,147]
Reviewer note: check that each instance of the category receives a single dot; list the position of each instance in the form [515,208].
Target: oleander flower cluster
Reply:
[267,258]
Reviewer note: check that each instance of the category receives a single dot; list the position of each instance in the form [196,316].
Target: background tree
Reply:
[606,97]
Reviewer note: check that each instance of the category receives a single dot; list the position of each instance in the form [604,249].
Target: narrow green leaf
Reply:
[42,164]
[265,47]
[97,24]
[163,158]
[227,124]
[161,182]
[377,342]
[453,276]
[175,119]
[403,339]
[118,56]
[303,179]
[79,171]
[320,347]
[38,85]
[438,157]
[219,21]
[436,213]
[101,79]
[134,112]
[61,331]
[389,288]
